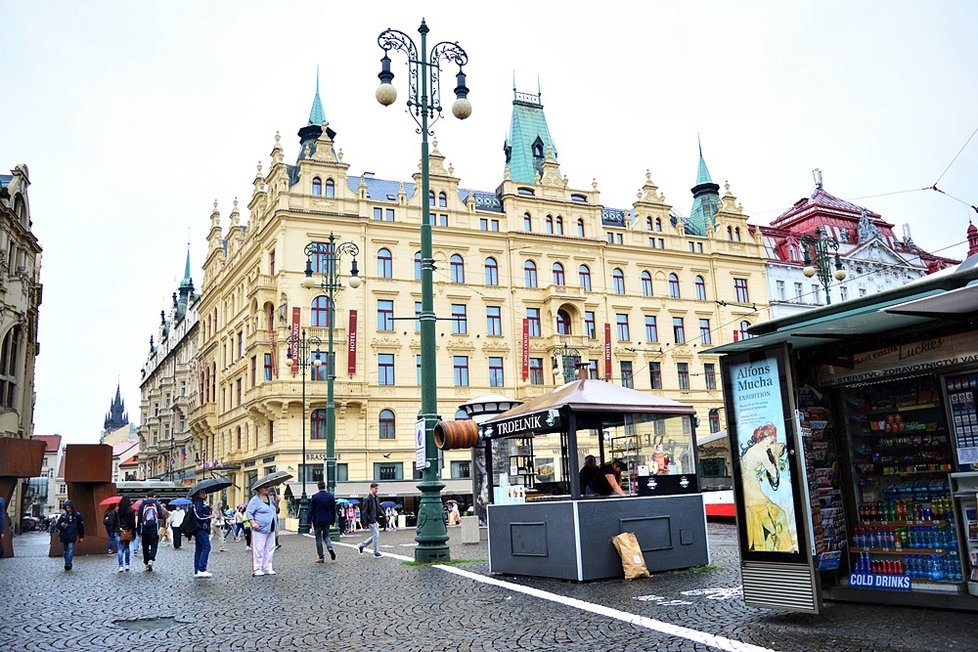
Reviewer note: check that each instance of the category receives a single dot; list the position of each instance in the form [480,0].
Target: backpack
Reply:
[188,527]
[151,515]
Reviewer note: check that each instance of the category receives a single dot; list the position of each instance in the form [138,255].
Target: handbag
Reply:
[125,535]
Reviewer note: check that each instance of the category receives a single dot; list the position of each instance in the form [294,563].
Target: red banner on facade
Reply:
[607,352]
[351,360]
[296,316]
[526,348]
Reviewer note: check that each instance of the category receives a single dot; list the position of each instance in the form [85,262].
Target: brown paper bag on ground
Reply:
[632,560]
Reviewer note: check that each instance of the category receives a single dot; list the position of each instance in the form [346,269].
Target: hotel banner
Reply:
[607,352]
[351,359]
[296,316]
[526,348]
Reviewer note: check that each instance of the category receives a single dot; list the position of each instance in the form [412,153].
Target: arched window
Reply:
[737,234]
[563,323]
[319,312]
[658,224]
[385,264]
[386,424]
[457,269]
[9,367]
[492,271]
[527,222]
[530,274]
[646,284]
[442,199]
[550,224]
[674,286]
[700,289]
[431,197]
[580,227]
[417,266]
[618,281]
[317,186]
[729,233]
[558,270]
[648,223]
[330,189]
[584,277]
[743,334]
[317,424]
[560,225]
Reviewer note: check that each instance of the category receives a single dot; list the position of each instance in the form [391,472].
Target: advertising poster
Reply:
[762,447]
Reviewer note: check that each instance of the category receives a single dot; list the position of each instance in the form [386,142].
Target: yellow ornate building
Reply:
[635,293]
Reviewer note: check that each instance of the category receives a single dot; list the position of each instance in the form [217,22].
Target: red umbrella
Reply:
[111,501]
[135,505]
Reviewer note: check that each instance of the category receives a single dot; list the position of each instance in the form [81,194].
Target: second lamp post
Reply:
[815,250]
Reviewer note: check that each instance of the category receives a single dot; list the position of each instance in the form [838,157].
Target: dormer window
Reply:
[431,198]
[442,199]
[526,192]
[538,148]
[330,189]
[581,199]
[658,224]
[317,187]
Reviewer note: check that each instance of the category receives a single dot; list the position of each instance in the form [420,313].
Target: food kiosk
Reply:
[543,523]
[854,434]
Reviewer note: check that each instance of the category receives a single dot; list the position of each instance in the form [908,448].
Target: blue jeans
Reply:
[201,550]
[374,538]
[121,548]
[69,553]
[108,531]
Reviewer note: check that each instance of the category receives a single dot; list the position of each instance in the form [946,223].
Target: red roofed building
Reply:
[873,257]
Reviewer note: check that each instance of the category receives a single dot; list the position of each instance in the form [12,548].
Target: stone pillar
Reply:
[88,474]
[19,458]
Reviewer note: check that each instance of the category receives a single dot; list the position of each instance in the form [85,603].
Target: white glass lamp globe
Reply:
[462,108]
[354,282]
[386,94]
[808,271]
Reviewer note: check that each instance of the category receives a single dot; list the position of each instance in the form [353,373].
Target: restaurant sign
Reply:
[526,425]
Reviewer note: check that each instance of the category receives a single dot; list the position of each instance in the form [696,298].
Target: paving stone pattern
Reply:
[359,602]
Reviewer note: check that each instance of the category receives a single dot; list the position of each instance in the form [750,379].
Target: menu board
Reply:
[961,393]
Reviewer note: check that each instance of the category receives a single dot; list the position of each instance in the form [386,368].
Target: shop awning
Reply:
[962,301]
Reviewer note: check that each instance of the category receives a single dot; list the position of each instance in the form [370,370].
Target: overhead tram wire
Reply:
[955,159]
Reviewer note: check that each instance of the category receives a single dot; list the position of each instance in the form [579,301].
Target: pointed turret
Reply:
[706,198]
[317,124]
[972,239]
[116,417]
[529,139]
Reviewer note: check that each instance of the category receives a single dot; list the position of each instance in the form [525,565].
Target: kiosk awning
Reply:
[962,301]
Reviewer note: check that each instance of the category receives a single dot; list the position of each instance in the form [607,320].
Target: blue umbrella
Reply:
[355,501]
[389,503]
[342,501]
[180,502]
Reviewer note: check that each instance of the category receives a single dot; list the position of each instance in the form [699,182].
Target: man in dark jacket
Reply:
[111,522]
[71,529]
[371,513]
[322,515]
[148,524]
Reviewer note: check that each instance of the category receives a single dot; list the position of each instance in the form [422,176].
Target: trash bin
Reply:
[470,529]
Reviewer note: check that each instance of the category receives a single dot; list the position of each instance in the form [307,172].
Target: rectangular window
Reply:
[678,330]
[418,363]
[460,366]
[254,370]
[618,238]
[496,372]
[461,470]
[710,373]
[652,243]
[862,291]
[442,220]
[378,214]
[240,344]
[798,292]
[494,225]
[705,331]
[692,248]
[417,315]
[389,215]
[627,379]
[271,432]
[781,292]
[590,329]
[740,289]
[621,320]
[699,247]
[271,263]
[817,294]
[268,367]
[655,374]
[651,329]
[385,368]
[536,371]
[533,320]
[385,315]
[388,471]
[460,323]
[483,224]
[494,320]
[592,369]
[843,293]
[682,369]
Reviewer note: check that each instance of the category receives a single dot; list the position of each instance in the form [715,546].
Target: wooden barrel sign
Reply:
[452,435]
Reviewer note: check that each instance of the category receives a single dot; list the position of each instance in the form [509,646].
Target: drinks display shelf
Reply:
[903,523]
[905,551]
[899,408]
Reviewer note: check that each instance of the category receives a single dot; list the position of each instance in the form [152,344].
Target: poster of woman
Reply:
[765,476]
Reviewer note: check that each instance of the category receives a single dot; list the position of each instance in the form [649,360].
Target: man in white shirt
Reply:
[176,519]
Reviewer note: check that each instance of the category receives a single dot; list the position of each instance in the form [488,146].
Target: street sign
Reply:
[419,433]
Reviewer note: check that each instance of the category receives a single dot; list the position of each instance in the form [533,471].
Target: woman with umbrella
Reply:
[264,524]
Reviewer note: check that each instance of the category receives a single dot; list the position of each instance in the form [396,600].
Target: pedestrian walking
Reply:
[372,514]
[71,529]
[125,518]
[341,519]
[176,520]
[111,523]
[247,532]
[217,529]
[148,525]
[238,521]
[322,514]
[391,515]
[261,513]
[351,519]
[200,511]
[277,499]
[165,528]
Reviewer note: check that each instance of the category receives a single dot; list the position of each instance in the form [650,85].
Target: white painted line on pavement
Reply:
[719,642]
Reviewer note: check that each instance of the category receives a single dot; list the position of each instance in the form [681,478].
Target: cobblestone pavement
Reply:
[382,604]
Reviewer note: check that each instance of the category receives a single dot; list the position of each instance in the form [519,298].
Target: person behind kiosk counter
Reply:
[608,478]
[588,473]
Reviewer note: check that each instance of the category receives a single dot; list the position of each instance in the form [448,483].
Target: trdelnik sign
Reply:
[526,425]
[935,354]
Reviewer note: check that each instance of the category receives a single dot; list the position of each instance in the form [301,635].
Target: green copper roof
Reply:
[528,140]
[706,199]
[316,114]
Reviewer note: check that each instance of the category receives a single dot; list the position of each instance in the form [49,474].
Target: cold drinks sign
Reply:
[874,581]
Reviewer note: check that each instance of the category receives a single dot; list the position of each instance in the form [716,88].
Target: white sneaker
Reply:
[205,574]
[258,573]
[269,572]
[121,569]
[127,568]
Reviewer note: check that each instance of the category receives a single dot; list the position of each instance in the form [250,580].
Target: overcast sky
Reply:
[134,116]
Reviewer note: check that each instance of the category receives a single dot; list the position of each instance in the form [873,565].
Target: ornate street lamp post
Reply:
[424,76]
[818,259]
[331,282]
[304,346]
[570,360]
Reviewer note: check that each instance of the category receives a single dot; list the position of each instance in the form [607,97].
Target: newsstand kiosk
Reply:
[854,436]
